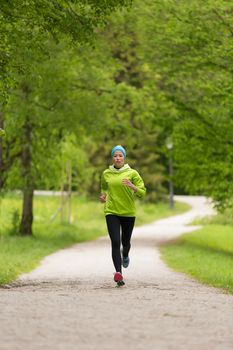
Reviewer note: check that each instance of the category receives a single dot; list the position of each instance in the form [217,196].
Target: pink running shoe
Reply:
[118,277]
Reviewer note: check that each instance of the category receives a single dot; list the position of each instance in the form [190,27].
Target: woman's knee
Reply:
[126,245]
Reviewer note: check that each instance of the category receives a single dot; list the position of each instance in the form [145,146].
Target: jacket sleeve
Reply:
[138,182]
[104,185]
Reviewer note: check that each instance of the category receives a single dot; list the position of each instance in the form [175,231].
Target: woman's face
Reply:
[118,159]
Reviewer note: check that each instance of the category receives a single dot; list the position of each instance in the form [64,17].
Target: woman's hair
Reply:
[118,148]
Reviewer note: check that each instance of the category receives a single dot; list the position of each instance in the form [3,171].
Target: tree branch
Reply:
[93,89]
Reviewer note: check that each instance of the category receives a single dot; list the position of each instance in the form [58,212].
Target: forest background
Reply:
[78,77]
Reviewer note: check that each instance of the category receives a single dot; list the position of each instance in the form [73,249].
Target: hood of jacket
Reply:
[114,170]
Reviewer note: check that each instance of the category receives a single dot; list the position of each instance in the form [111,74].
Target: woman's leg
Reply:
[113,224]
[127,225]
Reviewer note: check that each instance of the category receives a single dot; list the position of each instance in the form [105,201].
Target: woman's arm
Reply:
[129,184]
[104,188]
[137,182]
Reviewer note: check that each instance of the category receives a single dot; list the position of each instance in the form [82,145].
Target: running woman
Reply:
[119,186]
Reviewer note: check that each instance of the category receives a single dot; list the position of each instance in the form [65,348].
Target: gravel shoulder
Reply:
[70,301]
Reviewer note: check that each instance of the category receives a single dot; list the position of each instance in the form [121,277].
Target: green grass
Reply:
[22,254]
[206,254]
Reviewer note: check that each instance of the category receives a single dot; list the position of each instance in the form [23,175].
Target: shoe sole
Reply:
[120,284]
[125,265]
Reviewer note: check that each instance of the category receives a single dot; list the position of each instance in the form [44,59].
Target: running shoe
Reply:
[125,261]
[118,277]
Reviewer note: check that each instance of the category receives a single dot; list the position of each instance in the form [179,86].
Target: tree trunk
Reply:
[26,158]
[27,215]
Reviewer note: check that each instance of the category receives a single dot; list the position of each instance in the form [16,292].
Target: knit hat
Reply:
[118,148]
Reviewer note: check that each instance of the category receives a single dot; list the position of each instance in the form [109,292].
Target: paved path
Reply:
[71,302]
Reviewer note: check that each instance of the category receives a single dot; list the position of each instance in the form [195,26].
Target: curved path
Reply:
[71,302]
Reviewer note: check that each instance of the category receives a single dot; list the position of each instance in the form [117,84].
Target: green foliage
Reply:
[131,106]
[224,217]
[2,132]
[205,254]
[15,222]
[57,111]
[26,25]
[188,46]
[149,77]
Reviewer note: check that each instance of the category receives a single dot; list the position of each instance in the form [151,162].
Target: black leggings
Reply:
[120,229]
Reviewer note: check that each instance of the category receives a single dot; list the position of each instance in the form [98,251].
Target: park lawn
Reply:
[22,254]
[205,254]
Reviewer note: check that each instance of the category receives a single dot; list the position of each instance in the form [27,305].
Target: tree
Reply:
[28,24]
[189,47]
[132,105]
[49,104]
[26,27]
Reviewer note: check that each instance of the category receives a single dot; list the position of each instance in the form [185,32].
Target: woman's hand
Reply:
[129,184]
[102,197]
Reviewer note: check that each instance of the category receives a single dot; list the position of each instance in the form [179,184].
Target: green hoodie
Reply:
[120,198]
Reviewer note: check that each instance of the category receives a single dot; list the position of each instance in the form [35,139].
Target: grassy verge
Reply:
[205,254]
[22,254]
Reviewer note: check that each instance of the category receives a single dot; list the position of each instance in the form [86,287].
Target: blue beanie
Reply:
[118,148]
